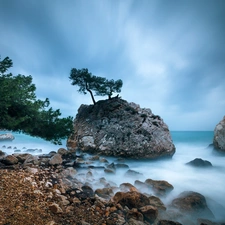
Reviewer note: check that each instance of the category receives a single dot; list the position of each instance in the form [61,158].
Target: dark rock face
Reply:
[118,128]
[199,163]
[219,135]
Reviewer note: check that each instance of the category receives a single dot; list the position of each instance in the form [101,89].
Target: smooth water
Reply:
[209,182]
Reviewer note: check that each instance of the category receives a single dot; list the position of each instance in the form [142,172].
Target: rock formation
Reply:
[117,128]
[219,135]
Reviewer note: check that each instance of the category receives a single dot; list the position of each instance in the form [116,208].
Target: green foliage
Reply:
[91,83]
[20,110]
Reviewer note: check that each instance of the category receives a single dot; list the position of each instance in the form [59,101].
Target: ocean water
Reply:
[209,182]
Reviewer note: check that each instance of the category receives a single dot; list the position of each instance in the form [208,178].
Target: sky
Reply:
[170,54]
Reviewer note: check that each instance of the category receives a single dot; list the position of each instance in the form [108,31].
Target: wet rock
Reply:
[159,187]
[105,193]
[125,187]
[31,160]
[55,160]
[69,172]
[133,173]
[22,157]
[156,202]
[193,204]
[62,151]
[199,163]
[134,214]
[141,186]
[131,199]
[9,160]
[150,213]
[121,166]
[87,192]
[219,136]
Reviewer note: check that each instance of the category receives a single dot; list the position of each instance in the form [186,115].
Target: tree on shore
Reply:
[20,111]
[91,83]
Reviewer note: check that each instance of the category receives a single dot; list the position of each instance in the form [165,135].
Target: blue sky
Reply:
[170,54]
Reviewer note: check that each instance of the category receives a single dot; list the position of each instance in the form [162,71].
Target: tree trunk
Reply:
[92,96]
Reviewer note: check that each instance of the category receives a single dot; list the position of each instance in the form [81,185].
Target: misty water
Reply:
[189,145]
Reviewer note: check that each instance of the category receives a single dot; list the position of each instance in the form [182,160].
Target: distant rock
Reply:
[117,128]
[6,137]
[198,162]
[219,136]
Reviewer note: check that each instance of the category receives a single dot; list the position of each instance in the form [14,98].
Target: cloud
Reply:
[170,56]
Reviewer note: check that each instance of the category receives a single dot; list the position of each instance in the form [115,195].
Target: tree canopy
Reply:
[20,110]
[91,83]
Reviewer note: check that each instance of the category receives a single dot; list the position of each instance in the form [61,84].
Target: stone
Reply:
[9,160]
[193,204]
[219,136]
[55,208]
[125,187]
[134,214]
[159,187]
[62,151]
[69,172]
[55,160]
[135,222]
[6,137]
[198,162]
[115,127]
[131,199]
[105,193]
[149,212]
[156,202]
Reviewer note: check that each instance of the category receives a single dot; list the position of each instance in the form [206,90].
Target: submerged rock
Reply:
[219,136]
[118,128]
[199,163]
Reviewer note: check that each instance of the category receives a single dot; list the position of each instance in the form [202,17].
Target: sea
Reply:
[209,182]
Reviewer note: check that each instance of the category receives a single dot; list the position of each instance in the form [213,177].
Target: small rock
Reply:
[198,162]
[56,160]
[55,208]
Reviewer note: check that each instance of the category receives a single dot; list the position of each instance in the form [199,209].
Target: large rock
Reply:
[193,204]
[219,135]
[118,128]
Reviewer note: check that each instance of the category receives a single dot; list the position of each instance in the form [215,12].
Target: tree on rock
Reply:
[21,111]
[90,83]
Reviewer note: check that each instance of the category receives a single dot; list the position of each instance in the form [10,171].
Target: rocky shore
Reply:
[61,188]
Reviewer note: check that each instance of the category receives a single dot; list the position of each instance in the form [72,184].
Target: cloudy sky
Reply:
[170,54]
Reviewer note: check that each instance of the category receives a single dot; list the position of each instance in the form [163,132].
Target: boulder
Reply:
[6,137]
[193,204]
[56,160]
[149,212]
[9,160]
[131,199]
[117,128]
[159,187]
[199,163]
[219,136]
